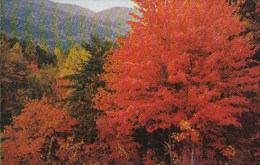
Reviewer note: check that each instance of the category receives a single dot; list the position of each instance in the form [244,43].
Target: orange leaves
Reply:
[178,68]
[180,77]
[69,152]
[229,151]
[38,121]
[34,68]
[62,92]
[187,132]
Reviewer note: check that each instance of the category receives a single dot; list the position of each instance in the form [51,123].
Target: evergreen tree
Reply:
[85,84]
[42,24]
[82,26]
[68,30]
[14,18]
[28,21]
[55,26]
[108,24]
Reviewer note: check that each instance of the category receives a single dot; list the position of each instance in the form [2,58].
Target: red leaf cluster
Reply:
[184,60]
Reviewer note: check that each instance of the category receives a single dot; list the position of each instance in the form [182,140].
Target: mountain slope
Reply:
[115,13]
[50,23]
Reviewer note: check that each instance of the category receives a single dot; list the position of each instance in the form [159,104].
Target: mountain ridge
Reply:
[54,23]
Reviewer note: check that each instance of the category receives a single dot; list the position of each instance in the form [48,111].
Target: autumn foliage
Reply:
[31,138]
[181,88]
[184,68]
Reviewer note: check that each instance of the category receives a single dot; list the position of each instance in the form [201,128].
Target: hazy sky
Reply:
[99,5]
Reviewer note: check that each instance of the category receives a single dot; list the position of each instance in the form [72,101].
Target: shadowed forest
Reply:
[171,82]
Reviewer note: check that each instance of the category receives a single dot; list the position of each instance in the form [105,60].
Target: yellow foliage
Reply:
[58,54]
[76,57]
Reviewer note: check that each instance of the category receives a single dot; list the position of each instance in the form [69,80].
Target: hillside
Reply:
[50,23]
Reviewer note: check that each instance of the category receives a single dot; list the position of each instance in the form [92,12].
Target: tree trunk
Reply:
[193,158]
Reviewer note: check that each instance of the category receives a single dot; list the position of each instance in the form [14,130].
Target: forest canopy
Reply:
[181,87]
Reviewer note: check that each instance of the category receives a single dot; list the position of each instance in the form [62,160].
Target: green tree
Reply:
[2,15]
[84,86]
[30,51]
[120,23]
[14,19]
[82,26]
[44,56]
[94,25]
[27,25]
[107,24]
[55,26]
[68,30]
[41,25]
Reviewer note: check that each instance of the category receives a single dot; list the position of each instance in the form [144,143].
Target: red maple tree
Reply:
[184,66]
